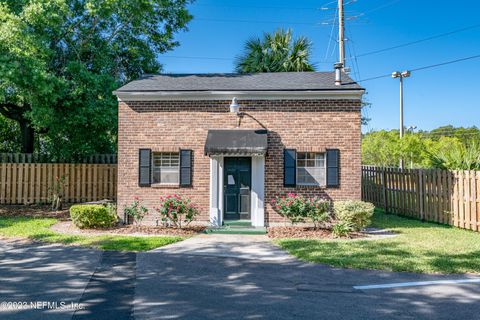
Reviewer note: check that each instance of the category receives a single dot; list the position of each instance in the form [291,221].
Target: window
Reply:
[311,169]
[166,168]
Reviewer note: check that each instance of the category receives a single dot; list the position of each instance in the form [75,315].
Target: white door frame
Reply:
[216,191]
[258,191]
[257,194]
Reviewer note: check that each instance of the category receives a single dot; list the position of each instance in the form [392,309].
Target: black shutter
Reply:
[144,167]
[185,168]
[289,167]
[333,172]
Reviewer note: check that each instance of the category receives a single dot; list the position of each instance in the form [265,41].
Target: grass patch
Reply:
[419,247]
[39,229]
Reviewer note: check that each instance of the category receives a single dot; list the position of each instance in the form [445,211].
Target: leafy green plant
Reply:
[457,157]
[356,213]
[92,216]
[342,229]
[445,148]
[297,208]
[177,211]
[276,52]
[57,193]
[136,210]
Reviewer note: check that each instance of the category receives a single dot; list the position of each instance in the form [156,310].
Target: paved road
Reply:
[171,284]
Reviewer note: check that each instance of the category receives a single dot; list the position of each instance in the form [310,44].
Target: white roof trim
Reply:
[245,95]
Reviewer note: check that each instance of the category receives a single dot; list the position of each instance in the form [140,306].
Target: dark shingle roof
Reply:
[279,81]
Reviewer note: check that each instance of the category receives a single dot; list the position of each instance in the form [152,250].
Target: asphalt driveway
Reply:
[170,284]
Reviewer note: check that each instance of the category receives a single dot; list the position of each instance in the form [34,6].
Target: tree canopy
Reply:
[276,52]
[60,60]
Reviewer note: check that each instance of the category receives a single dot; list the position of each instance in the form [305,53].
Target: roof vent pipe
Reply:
[338,73]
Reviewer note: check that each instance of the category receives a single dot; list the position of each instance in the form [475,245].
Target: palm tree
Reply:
[277,52]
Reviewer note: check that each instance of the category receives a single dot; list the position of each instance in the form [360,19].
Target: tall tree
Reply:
[9,135]
[276,52]
[61,59]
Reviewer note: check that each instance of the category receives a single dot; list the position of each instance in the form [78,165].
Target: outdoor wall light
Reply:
[234,106]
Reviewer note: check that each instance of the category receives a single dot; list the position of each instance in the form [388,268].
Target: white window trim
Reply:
[310,184]
[164,184]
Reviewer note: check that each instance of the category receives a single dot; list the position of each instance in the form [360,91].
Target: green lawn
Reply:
[39,229]
[419,247]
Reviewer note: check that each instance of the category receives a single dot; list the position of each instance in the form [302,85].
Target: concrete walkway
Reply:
[254,247]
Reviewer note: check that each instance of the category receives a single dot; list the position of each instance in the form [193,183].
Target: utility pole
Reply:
[401,75]
[341,33]
[401,108]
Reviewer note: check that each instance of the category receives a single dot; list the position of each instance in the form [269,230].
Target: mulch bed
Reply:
[68,227]
[186,231]
[34,211]
[306,233]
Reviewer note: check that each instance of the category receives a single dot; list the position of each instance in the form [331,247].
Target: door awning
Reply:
[236,142]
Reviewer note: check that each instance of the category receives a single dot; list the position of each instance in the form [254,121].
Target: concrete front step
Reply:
[236,230]
[238,223]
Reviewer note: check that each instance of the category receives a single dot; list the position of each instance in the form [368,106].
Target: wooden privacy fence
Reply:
[444,196]
[28,183]
[42,158]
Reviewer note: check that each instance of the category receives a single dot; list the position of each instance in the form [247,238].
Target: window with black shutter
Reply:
[144,167]
[311,169]
[333,165]
[166,168]
[185,168]
[289,167]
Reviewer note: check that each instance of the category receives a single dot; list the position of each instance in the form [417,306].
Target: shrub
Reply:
[457,157]
[93,216]
[355,213]
[318,211]
[177,211]
[297,208]
[136,210]
[57,191]
[342,229]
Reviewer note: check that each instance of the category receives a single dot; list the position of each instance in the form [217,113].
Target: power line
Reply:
[331,36]
[445,63]
[425,67]
[220,58]
[374,78]
[381,6]
[419,41]
[259,21]
[199,58]
[256,7]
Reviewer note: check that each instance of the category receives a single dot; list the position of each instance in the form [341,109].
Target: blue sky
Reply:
[433,97]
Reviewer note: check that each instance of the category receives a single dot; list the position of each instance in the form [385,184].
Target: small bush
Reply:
[342,229]
[177,211]
[297,208]
[136,210]
[355,213]
[93,216]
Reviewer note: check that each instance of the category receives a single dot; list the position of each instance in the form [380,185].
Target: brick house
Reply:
[233,142]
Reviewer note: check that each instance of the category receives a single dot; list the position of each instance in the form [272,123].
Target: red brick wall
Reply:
[306,125]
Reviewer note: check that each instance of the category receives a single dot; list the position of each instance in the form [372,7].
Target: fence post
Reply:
[384,189]
[420,194]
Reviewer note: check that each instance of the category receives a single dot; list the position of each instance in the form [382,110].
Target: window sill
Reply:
[165,185]
[310,186]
